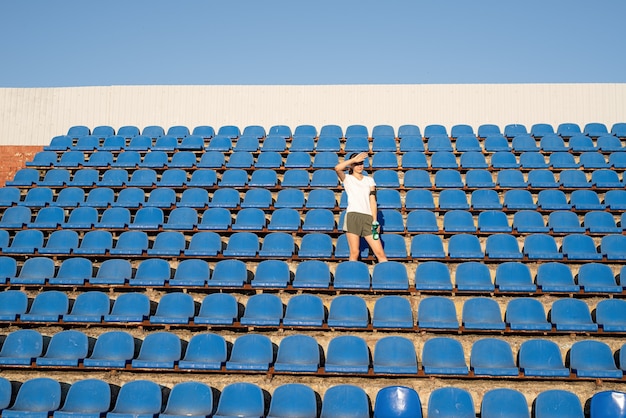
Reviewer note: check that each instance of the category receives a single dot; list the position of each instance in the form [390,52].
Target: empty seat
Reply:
[225,197]
[464,246]
[37,398]
[573,179]
[315,245]
[611,316]
[542,179]
[558,403]
[458,221]
[151,272]
[394,355]
[437,312]
[148,218]
[66,348]
[432,275]
[526,314]
[35,270]
[89,307]
[473,276]
[525,221]
[443,160]
[249,219]
[205,351]
[251,352]
[541,247]
[37,197]
[298,353]
[592,358]
[443,356]
[541,357]
[214,219]
[191,272]
[293,400]
[21,347]
[427,246]
[242,244]
[230,273]
[493,221]
[613,247]
[304,310]
[129,307]
[352,275]
[572,315]
[392,312]
[168,243]
[217,309]
[263,309]
[513,276]
[596,277]
[347,354]
[398,401]
[12,303]
[233,177]
[450,199]
[482,313]
[174,308]
[419,199]
[564,222]
[492,357]
[113,271]
[130,243]
[159,350]
[345,400]
[504,160]
[421,220]
[348,311]
[189,399]
[87,398]
[113,349]
[140,398]
[16,217]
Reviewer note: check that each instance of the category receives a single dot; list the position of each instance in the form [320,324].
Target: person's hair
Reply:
[351,156]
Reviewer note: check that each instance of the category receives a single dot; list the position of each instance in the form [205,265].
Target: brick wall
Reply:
[14,157]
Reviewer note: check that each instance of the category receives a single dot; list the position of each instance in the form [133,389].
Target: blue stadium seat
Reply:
[159,350]
[580,247]
[72,159]
[572,315]
[392,312]
[16,217]
[526,313]
[191,272]
[325,160]
[181,219]
[298,353]
[316,245]
[298,160]
[293,400]
[541,357]
[443,356]
[557,403]
[591,160]
[443,160]
[613,247]
[241,399]
[450,402]
[352,275]
[592,358]
[563,221]
[419,199]
[89,398]
[233,177]
[611,316]
[66,348]
[174,308]
[113,218]
[511,178]
[284,219]
[328,143]
[542,179]
[146,219]
[458,221]
[479,179]
[240,160]
[231,273]
[215,219]
[90,306]
[183,159]
[35,270]
[225,197]
[586,200]
[356,143]
[504,160]
[617,160]
[493,221]
[496,143]
[414,159]
[207,243]
[151,272]
[100,197]
[307,130]
[205,351]
[473,276]
[113,271]
[130,158]
[48,306]
[541,247]
[269,160]
[304,310]
[438,143]
[132,197]
[450,199]
[417,178]
[448,178]
[52,218]
[492,357]
[606,179]
[212,160]
[96,242]
[514,276]
[312,274]
[43,159]
[525,221]
[69,197]
[390,275]
[473,160]
[56,177]
[172,177]
[433,275]
[562,160]
[302,143]
[421,220]
[37,197]
[247,143]
[128,131]
[217,309]
[220,143]
[608,403]
[615,199]
[37,398]
[290,198]
[21,347]
[242,244]
[272,273]
[411,143]
[277,245]
[347,354]
[464,246]
[573,179]
[437,312]
[73,271]
[524,143]
[532,160]
[12,303]
[161,197]
[482,313]
[130,243]
[263,309]
[151,160]
[609,143]
[194,197]
[408,130]
[9,196]
[137,398]
[189,399]
[394,355]
[113,349]
[251,352]
[427,246]
[129,307]
[597,278]
[397,401]
[504,401]
[348,311]
[191,142]
[384,143]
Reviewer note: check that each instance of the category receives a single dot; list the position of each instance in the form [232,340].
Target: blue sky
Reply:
[47,43]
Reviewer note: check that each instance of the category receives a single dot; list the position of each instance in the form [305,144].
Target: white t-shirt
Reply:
[358,192]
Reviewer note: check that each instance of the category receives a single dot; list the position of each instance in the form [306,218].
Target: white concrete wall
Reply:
[34,116]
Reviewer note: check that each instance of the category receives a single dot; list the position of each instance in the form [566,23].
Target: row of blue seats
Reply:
[591,129]
[94,397]
[333,143]
[233,198]
[300,159]
[301,353]
[308,311]
[510,276]
[316,244]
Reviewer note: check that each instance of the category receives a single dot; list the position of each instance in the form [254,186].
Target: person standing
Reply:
[360,219]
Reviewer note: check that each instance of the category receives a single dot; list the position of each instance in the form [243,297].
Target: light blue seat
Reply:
[99,197]
[247,143]
[165,143]
[172,177]
[113,349]
[347,354]
[128,131]
[139,143]
[189,399]
[183,159]
[151,272]
[450,199]
[427,246]
[390,275]
[215,219]
[525,221]
[496,143]
[129,307]
[502,246]
[130,158]
[348,311]
[89,307]
[205,351]
[159,350]
[571,315]
[48,306]
[299,160]
[174,308]
[304,310]
[606,179]
[541,357]
[211,159]
[586,200]
[231,273]
[302,143]
[217,309]
[437,312]
[233,177]
[312,274]
[394,355]
[43,159]
[352,275]
[479,179]
[298,353]
[526,313]
[482,313]
[473,276]
[293,400]
[272,273]
[592,358]
[89,398]
[194,197]
[35,270]
[69,197]
[492,357]
[542,179]
[411,143]
[12,303]
[191,142]
[324,177]
[514,276]
[220,143]
[131,197]
[511,178]
[541,247]
[202,178]
[66,348]
[263,309]
[138,399]
[458,221]
[315,245]
[9,196]
[609,143]
[573,179]
[345,400]
[36,398]
[394,246]
[552,200]
[443,356]
[321,199]
[504,160]
[21,347]
[556,277]
[56,177]
[251,352]
[284,219]
[263,177]
[558,403]
[579,247]
[290,198]
[504,401]
[37,197]
[241,399]
[191,272]
[448,178]
[113,271]
[328,143]
[433,275]
[591,160]
[421,220]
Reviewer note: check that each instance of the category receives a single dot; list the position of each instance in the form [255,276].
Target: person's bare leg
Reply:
[377,248]
[354,243]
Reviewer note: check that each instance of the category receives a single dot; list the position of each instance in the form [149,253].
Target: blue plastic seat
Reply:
[217,309]
[348,311]
[419,199]
[609,143]
[211,159]
[269,160]
[132,197]
[304,310]
[427,246]
[564,222]
[591,358]
[328,143]
[552,143]
[48,306]
[43,159]
[194,197]
[504,160]
[438,142]
[130,243]
[347,354]
[69,197]
[181,219]
[421,220]
[591,160]
[580,247]
[128,131]
[191,272]
[298,160]
[241,399]
[572,315]
[562,160]
[437,312]
[541,247]
[586,200]
[66,348]
[617,160]
[240,160]
[99,197]
[352,275]
[161,197]
[315,245]
[573,179]
[96,242]
[73,271]
[450,199]
[414,159]
[325,160]
[394,355]
[137,398]
[514,276]
[293,400]
[60,143]
[392,312]
[541,357]
[247,143]
[277,245]
[525,221]
[524,143]
[479,179]
[394,246]
[225,197]
[526,314]
[448,178]
[159,350]
[473,276]
[215,219]
[205,351]
[606,179]
[345,400]
[615,199]
[597,277]
[113,349]
[611,316]
[432,275]
[220,143]
[411,143]
[114,218]
[608,403]
[263,309]
[172,177]
[497,402]
[558,403]
[542,179]
[493,221]
[356,143]
[482,313]
[511,178]
[242,244]
[532,160]
[12,303]
[35,270]
[492,357]
[56,177]
[233,177]
[9,196]
[496,143]
[174,308]
[129,307]
[230,272]
[458,221]
[465,246]
[556,277]
[613,247]
[182,159]
[89,398]
[207,243]
[151,272]
[312,274]
[444,356]
[37,197]
[251,352]
[16,217]
[21,347]
[189,399]
[128,159]
[36,398]
[397,401]
[113,271]
[147,218]
[298,353]
[443,160]
[390,275]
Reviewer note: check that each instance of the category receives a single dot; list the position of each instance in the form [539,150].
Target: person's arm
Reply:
[341,167]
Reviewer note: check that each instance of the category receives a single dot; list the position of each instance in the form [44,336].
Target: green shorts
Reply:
[358,223]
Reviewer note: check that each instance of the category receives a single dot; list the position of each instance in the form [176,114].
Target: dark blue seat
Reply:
[298,353]
[189,399]
[608,403]
[89,307]
[217,309]
[356,143]
[552,200]
[572,315]
[586,200]
[526,314]
[514,276]
[36,398]
[304,310]
[220,143]
[591,160]
[606,179]
[492,357]
[66,348]
[89,398]
[56,177]
[443,356]
[113,349]
[9,196]
[591,358]
[562,160]
[482,313]
[347,354]
[417,178]
[277,245]
[437,312]
[394,355]
[241,399]
[205,351]
[348,311]
[249,219]
[21,347]
[541,357]
[129,307]
[251,352]
[159,350]
[397,401]
[137,398]
[43,159]
[174,308]
[394,246]
[263,309]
